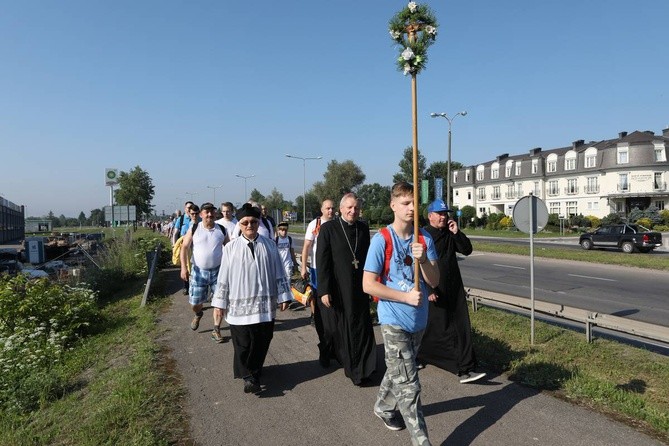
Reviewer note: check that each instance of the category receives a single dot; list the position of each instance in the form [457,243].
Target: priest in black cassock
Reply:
[447,342]
[342,248]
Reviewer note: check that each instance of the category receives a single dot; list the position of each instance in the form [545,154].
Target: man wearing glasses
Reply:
[251,283]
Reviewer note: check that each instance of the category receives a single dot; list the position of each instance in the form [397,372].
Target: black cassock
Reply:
[447,342]
[349,335]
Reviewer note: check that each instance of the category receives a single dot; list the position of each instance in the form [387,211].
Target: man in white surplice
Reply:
[251,283]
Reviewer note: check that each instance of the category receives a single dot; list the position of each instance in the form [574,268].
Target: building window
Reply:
[536,189]
[593,205]
[592,185]
[519,189]
[554,207]
[570,160]
[469,195]
[510,191]
[508,171]
[553,188]
[495,193]
[535,166]
[620,207]
[455,177]
[482,211]
[660,154]
[518,169]
[659,204]
[481,193]
[572,186]
[590,160]
[467,176]
[479,173]
[658,184]
[552,166]
[572,208]
[623,184]
[494,173]
[623,155]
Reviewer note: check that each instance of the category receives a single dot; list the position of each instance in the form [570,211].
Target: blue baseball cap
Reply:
[438,206]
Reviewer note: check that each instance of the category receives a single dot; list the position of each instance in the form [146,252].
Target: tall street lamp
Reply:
[245,177]
[214,187]
[448,166]
[191,195]
[304,184]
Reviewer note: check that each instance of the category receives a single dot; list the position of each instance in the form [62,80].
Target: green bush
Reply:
[595,222]
[39,320]
[664,215]
[661,228]
[612,219]
[645,222]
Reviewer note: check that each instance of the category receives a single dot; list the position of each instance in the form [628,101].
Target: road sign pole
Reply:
[532,230]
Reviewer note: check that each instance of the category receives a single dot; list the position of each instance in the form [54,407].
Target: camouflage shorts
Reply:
[400,387]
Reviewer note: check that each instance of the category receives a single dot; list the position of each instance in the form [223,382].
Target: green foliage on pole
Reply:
[413,29]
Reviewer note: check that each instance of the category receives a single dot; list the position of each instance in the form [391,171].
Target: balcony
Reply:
[659,187]
[571,190]
[496,196]
[511,195]
[594,189]
[624,187]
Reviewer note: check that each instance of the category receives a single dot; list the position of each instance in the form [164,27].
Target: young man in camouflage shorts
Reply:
[402,313]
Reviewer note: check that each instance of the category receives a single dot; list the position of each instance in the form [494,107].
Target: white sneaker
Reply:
[470,377]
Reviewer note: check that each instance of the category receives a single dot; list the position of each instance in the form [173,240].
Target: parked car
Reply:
[627,237]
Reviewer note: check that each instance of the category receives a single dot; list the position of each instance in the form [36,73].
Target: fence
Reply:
[588,318]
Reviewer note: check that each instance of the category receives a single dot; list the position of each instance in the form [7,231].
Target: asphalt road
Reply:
[304,404]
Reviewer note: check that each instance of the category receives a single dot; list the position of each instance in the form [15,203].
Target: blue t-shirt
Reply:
[411,319]
[183,227]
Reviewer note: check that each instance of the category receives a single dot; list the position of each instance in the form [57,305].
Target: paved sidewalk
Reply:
[304,404]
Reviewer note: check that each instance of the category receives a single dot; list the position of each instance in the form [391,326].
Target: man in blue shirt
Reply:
[402,312]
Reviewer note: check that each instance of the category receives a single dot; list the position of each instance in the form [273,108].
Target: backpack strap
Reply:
[276,239]
[387,257]
[267,224]
[317,229]
[220,226]
[290,242]
[194,227]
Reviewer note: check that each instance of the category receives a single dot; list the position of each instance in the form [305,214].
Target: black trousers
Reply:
[251,344]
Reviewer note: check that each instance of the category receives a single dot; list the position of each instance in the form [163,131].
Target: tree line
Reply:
[135,188]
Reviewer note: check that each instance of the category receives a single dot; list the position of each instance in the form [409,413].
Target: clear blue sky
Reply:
[196,92]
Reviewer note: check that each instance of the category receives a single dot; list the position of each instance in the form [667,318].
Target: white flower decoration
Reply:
[395,34]
[431,30]
[407,69]
[407,54]
[412,6]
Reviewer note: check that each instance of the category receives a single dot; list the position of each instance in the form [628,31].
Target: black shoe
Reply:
[184,291]
[394,423]
[420,365]
[251,386]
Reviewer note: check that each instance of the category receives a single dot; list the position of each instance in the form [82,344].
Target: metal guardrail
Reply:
[588,318]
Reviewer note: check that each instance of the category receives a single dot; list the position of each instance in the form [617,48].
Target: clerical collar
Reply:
[345,221]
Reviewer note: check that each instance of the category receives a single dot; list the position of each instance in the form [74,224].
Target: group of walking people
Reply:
[424,319]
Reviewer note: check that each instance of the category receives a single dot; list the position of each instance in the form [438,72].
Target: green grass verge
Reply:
[630,384]
[120,387]
[638,260]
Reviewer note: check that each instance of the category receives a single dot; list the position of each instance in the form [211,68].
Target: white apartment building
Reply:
[595,178]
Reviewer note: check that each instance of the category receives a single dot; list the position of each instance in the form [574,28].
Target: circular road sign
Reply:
[521,214]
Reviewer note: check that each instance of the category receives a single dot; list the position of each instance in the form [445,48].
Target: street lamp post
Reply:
[304,184]
[245,177]
[448,166]
[215,187]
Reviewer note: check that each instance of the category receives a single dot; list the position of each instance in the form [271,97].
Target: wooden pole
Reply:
[414,115]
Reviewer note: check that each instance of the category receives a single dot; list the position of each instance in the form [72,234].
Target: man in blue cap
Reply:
[447,342]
